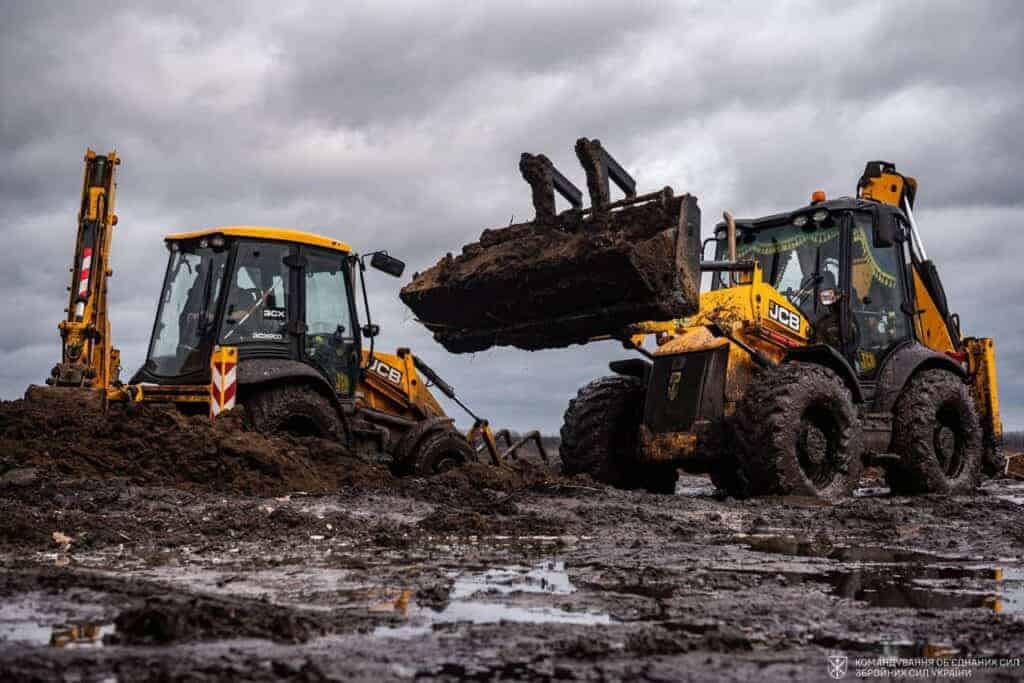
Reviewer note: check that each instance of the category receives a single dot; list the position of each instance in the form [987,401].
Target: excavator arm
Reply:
[88,358]
[936,327]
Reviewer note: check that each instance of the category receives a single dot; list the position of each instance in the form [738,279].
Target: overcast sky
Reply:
[398,126]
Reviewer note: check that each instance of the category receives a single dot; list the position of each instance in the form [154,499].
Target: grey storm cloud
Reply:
[398,126]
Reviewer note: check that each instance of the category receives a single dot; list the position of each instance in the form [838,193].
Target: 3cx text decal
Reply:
[784,316]
[389,373]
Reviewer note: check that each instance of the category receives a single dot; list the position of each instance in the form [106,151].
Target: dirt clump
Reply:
[165,619]
[156,445]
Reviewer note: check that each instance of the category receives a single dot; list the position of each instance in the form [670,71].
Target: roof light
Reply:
[817,196]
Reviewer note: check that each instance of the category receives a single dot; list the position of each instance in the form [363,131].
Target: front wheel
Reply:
[440,451]
[937,437]
[600,435]
[797,433]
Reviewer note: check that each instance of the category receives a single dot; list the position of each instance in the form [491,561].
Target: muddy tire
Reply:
[797,433]
[725,470]
[440,451]
[993,460]
[296,409]
[936,434]
[599,437]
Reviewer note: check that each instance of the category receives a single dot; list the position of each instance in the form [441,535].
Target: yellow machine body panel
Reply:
[265,233]
[981,361]
[752,310]
[931,328]
[392,385]
[888,188]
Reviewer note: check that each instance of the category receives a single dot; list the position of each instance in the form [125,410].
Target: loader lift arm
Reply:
[88,358]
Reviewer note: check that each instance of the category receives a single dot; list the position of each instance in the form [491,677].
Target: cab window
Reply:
[257,303]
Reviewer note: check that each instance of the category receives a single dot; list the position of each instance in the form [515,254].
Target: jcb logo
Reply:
[784,316]
[386,371]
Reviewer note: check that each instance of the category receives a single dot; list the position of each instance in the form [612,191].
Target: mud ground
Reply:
[123,556]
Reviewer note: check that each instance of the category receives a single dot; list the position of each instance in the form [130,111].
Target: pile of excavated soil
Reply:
[159,446]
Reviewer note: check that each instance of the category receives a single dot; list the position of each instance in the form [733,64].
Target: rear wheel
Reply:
[936,435]
[797,433]
[299,410]
[440,451]
[600,433]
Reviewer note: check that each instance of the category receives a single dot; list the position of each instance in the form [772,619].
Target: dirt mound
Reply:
[152,445]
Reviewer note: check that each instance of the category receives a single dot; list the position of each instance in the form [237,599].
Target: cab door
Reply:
[878,319]
[330,341]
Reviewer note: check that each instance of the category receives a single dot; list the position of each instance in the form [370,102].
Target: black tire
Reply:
[440,451]
[295,409]
[936,434]
[725,470]
[599,437]
[797,433]
[993,460]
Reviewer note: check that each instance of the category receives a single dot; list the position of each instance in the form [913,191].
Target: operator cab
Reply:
[841,264]
[272,293]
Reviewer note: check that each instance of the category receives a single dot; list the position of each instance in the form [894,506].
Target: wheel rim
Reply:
[447,461]
[817,447]
[301,425]
[949,442]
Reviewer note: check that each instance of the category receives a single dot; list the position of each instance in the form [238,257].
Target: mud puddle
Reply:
[895,578]
[468,604]
[25,619]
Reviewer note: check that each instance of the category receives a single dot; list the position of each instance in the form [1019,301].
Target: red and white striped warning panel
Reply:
[83,276]
[223,379]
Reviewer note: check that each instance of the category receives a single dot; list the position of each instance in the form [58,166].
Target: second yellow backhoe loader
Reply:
[825,342]
[266,318]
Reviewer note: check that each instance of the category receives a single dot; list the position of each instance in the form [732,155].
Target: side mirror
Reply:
[388,264]
[370,331]
[887,230]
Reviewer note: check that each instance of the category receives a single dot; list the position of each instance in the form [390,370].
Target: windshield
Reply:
[187,308]
[796,261]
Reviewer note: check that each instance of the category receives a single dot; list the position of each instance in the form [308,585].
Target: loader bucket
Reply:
[67,400]
[571,277]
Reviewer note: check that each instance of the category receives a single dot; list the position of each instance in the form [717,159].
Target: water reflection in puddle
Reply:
[34,618]
[887,577]
[465,603]
[21,622]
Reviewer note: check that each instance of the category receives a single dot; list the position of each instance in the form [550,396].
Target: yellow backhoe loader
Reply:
[266,318]
[825,342]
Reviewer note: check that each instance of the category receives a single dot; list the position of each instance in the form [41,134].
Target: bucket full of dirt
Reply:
[569,277]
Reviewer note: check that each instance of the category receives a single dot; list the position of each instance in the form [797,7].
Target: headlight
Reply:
[800,221]
[819,215]
[217,241]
